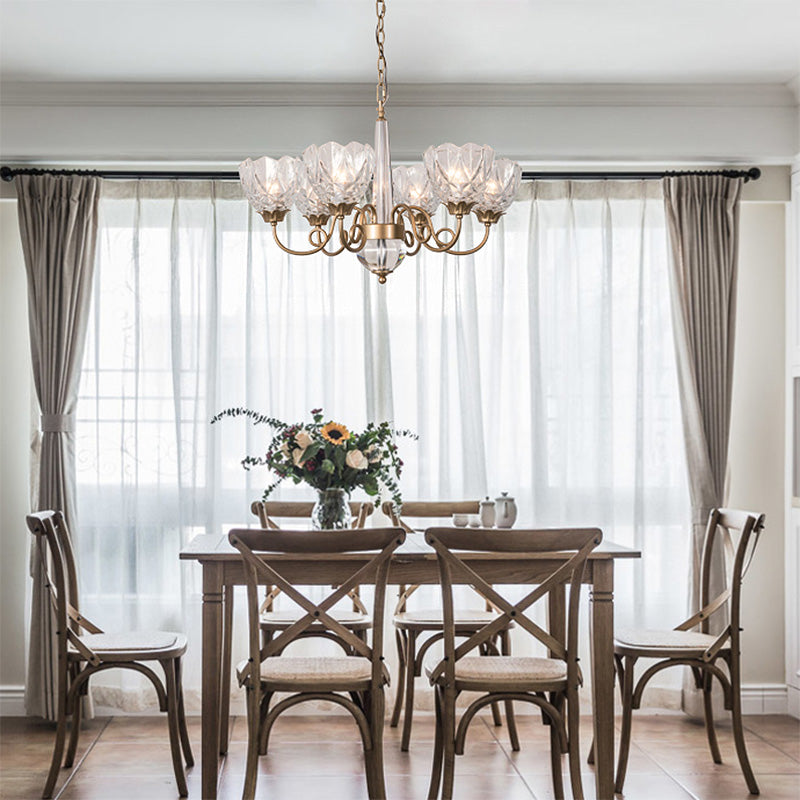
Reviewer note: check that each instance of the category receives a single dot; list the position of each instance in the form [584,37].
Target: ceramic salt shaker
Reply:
[487,513]
[505,511]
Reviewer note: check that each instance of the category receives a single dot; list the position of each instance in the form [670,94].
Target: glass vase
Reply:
[332,510]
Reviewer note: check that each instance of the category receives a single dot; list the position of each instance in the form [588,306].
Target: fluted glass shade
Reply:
[413,187]
[340,173]
[500,189]
[458,173]
[269,184]
[306,199]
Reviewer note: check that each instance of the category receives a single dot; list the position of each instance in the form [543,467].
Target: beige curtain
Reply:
[703,222]
[58,226]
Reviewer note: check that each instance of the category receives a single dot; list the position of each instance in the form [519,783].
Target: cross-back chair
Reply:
[84,650]
[692,644]
[354,681]
[550,683]
[418,629]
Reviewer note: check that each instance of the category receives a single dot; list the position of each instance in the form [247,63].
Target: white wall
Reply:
[15,387]
[757,441]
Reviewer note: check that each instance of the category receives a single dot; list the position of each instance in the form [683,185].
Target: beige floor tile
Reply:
[133,729]
[479,758]
[789,746]
[114,787]
[129,759]
[318,758]
[25,784]
[733,787]
[466,787]
[683,759]
[773,726]
[296,787]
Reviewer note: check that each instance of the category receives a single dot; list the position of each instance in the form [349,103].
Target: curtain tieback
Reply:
[57,423]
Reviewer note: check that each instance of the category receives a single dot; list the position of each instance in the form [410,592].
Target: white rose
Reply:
[303,439]
[356,459]
[373,454]
[297,456]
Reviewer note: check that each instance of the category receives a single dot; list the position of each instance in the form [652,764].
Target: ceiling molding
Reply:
[111,94]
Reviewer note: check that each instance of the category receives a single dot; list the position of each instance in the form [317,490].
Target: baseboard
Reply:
[12,701]
[769,698]
[793,704]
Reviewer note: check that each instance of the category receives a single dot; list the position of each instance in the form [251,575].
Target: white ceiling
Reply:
[541,41]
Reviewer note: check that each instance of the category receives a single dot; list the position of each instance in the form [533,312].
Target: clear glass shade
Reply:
[413,187]
[458,174]
[268,184]
[340,173]
[307,200]
[501,186]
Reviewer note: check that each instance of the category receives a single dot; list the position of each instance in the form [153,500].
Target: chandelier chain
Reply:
[381,92]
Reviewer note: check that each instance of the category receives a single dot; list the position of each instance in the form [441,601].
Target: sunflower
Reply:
[335,433]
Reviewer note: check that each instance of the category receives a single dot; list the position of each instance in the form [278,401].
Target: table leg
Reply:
[602,621]
[225,684]
[212,645]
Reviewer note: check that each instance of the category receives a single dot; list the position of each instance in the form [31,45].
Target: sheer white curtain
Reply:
[542,366]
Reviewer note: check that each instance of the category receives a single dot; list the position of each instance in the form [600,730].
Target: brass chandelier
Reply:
[330,181]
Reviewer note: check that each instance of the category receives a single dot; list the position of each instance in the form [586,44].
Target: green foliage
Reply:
[325,455]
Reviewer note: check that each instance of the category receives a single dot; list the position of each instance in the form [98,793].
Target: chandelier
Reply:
[329,182]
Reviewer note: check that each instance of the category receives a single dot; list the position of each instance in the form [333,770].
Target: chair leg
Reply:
[185,743]
[75,732]
[251,765]
[58,747]
[374,759]
[449,741]
[173,725]
[738,729]
[513,736]
[574,743]
[438,747]
[225,672]
[400,638]
[708,713]
[555,761]
[497,719]
[411,658]
[627,719]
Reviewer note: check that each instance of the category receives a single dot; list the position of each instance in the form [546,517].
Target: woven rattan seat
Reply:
[349,672]
[658,642]
[354,620]
[115,646]
[523,673]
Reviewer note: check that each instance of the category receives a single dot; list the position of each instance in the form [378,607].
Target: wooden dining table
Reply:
[413,562]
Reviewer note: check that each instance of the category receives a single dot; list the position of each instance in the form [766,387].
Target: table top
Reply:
[216,547]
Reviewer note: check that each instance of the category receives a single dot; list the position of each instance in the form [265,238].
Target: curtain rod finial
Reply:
[7,174]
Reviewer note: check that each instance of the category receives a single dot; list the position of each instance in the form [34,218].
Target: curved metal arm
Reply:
[314,233]
[477,247]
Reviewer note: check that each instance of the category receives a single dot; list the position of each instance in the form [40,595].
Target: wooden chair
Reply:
[81,655]
[354,682]
[417,630]
[273,621]
[691,644]
[546,682]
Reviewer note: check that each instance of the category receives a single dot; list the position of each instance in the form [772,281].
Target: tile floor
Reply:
[127,758]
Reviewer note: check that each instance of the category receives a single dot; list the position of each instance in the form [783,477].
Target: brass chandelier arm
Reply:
[424,229]
[488,227]
[354,239]
[315,232]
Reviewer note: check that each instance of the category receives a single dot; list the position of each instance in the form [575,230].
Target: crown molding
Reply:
[34,93]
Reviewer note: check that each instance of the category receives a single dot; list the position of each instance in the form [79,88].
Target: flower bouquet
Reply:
[330,458]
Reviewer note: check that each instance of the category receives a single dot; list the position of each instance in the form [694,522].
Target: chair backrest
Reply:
[268,511]
[428,509]
[425,509]
[563,550]
[377,545]
[736,533]
[57,559]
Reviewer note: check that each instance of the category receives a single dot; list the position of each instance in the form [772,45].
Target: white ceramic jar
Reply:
[505,511]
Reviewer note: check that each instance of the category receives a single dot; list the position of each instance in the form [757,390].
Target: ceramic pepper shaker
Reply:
[506,511]
[487,513]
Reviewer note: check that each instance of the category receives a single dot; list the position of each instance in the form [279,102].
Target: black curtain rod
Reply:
[8,174]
